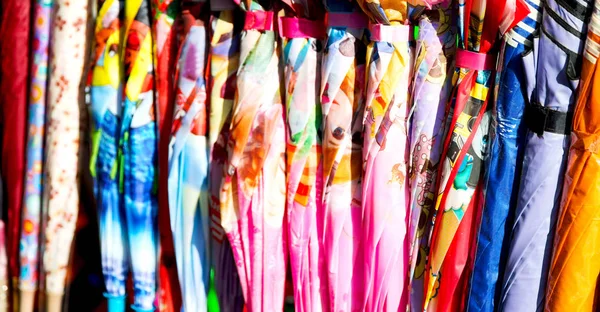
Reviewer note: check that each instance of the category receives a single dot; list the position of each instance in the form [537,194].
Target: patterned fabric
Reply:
[561,43]
[188,164]
[32,201]
[253,190]
[516,72]
[572,280]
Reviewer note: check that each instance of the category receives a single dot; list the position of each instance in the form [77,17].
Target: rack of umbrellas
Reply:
[368,155]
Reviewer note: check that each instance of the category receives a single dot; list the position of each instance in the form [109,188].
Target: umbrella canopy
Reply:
[342,102]
[253,190]
[32,197]
[61,174]
[548,119]
[188,163]
[516,72]
[431,88]
[572,280]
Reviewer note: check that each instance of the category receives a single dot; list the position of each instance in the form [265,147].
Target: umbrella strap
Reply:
[542,119]
[390,33]
[259,20]
[349,20]
[293,27]
[474,60]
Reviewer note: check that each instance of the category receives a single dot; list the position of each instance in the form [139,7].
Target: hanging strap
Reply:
[293,27]
[349,20]
[474,60]
[259,20]
[542,119]
[390,33]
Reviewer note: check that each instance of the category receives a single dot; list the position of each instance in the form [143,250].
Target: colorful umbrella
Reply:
[61,171]
[464,152]
[14,62]
[572,281]
[253,190]
[188,164]
[223,57]
[431,88]
[32,197]
[342,102]
[548,117]
[516,72]
[385,193]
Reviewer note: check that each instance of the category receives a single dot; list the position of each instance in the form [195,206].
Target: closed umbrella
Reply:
[188,163]
[575,266]
[342,103]
[253,190]
[32,197]
[548,117]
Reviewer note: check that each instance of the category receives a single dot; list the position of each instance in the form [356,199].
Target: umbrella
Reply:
[163,31]
[464,152]
[223,57]
[516,72]
[431,86]
[342,102]
[188,164]
[32,197]
[572,281]
[14,62]
[61,178]
[548,119]
[301,33]
[385,189]
[253,190]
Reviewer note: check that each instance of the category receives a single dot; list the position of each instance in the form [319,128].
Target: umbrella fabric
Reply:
[253,190]
[572,280]
[342,102]
[61,178]
[385,189]
[188,164]
[431,88]
[32,197]
[163,31]
[459,195]
[516,72]
[14,29]
[223,57]
[301,32]
[560,54]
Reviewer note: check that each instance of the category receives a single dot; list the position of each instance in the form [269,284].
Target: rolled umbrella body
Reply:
[65,102]
[507,142]
[188,165]
[530,250]
[342,102]
[572,280]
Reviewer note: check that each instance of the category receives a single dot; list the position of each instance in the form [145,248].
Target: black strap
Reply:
[541,119]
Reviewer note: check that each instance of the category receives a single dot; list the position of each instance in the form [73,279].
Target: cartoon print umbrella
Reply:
[223,58]
[253,190]
[385,193]
[516,72]
[548,119]
[464,152]
[572,280]
[342,102]
[61,177]
[32,196]
[188,164]
[431,86]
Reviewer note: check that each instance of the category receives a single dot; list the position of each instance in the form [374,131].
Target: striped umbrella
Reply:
[342,103]
[548,119]
[32,197]
[530,247]
[188,163]
[572,281]
[253,190]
